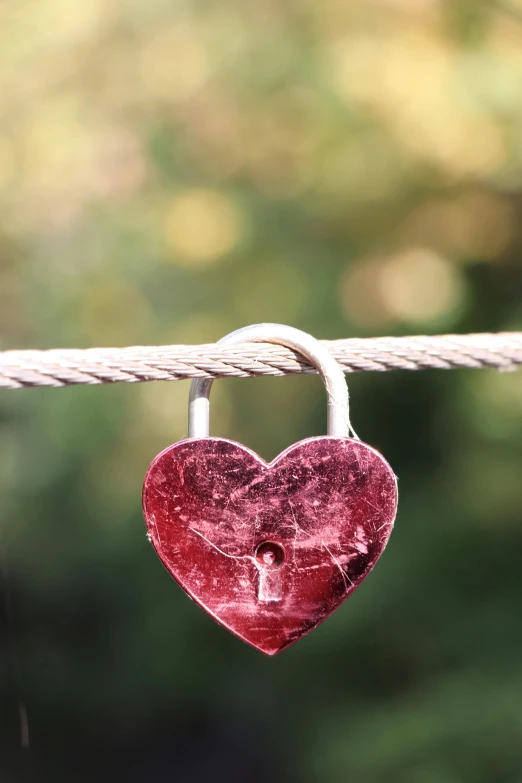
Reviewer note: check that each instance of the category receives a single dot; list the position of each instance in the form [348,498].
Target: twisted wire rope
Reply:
[64,367]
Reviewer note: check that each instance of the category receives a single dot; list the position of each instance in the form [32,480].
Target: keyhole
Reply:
[270,555]
[269,559]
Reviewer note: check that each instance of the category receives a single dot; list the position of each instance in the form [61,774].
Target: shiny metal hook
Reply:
[329,369]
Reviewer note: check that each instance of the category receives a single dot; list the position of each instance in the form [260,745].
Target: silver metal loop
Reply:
[329,369]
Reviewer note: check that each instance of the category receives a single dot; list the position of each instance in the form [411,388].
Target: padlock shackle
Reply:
[328,368]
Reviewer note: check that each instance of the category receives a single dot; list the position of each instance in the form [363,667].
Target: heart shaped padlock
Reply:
[269,550]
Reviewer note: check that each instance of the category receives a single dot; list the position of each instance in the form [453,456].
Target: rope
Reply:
[57,367]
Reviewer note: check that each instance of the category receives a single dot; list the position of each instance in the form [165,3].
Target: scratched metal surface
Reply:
[269,550]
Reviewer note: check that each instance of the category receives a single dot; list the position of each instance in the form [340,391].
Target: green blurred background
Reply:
[170,171]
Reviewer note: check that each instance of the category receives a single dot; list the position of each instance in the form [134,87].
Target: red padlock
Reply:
[269,550]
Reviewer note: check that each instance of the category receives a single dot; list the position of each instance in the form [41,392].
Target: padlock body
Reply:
[269,549]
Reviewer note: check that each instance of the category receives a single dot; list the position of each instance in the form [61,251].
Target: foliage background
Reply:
[170,171]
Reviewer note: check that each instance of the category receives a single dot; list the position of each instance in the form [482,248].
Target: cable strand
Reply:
[64,367]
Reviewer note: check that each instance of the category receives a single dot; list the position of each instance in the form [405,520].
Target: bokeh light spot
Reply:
[416,286]
[475,226]
[173,64]
[201,226]
[420,286]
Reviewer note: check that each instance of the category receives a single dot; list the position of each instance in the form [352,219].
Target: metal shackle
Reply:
[328,368]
